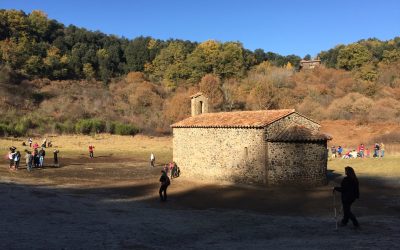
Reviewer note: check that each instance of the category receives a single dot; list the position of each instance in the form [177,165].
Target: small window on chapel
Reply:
[246,153]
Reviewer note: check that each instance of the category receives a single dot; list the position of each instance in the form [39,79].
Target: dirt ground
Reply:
[112,203]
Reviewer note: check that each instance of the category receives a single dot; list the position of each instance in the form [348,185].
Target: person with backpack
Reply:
[165,182]
[349,193]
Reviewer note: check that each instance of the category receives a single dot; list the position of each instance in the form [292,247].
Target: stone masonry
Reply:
[220,153]
[273,147]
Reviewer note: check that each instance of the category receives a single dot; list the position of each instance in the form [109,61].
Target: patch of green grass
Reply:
[387,167]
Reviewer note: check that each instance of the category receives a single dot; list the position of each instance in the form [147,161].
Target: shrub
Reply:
[98,126]
[4,130]
[87,126]
[83,126]
[21,128]
[110,127]
[125,129]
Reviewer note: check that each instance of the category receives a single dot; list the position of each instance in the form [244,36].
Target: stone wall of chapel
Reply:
[297,163]
[228,154]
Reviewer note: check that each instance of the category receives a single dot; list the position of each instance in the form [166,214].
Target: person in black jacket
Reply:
[350,192]
[164,185]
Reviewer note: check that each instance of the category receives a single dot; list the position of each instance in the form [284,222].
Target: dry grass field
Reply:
[75,146]
[111,202]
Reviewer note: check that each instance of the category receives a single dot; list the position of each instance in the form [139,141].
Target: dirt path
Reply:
[114,205]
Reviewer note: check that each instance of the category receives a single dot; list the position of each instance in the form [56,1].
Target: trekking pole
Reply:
[334,209]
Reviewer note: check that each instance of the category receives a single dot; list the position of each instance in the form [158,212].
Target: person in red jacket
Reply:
[91,150]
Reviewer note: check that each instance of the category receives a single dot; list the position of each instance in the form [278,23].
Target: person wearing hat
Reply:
[164,179]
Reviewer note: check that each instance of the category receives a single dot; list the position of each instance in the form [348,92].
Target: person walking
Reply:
[165,182]
[91,151]
[30,142]
[349,193]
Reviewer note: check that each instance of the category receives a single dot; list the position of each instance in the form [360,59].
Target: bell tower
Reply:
[199,104]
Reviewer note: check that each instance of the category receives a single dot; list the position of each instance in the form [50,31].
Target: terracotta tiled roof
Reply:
[239,119]
[300,133]
[196,95]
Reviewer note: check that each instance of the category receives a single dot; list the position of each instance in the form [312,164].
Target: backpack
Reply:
[167,181]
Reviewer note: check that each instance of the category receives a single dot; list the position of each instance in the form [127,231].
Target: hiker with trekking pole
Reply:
[349,193]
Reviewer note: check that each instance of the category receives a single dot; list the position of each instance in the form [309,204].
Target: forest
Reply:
[65,79]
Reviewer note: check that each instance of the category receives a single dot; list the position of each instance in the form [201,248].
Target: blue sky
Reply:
[285,27]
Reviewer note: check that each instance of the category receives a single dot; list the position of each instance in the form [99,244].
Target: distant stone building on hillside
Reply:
[310,64]
[274,147]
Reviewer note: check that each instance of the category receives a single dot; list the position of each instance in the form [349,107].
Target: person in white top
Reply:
[11,156]
[152,160]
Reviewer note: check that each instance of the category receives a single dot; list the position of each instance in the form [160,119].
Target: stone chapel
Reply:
[270,147]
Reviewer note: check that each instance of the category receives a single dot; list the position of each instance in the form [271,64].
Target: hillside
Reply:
[58,79]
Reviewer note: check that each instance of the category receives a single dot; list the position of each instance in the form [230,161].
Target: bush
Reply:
[83,126]
[87,126]
[20,128]
[110,127]
[67,127]
[4,130]
[98,126]
[125,129]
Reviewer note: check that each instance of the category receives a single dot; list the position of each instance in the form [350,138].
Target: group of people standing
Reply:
[360,152]
[34,156]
